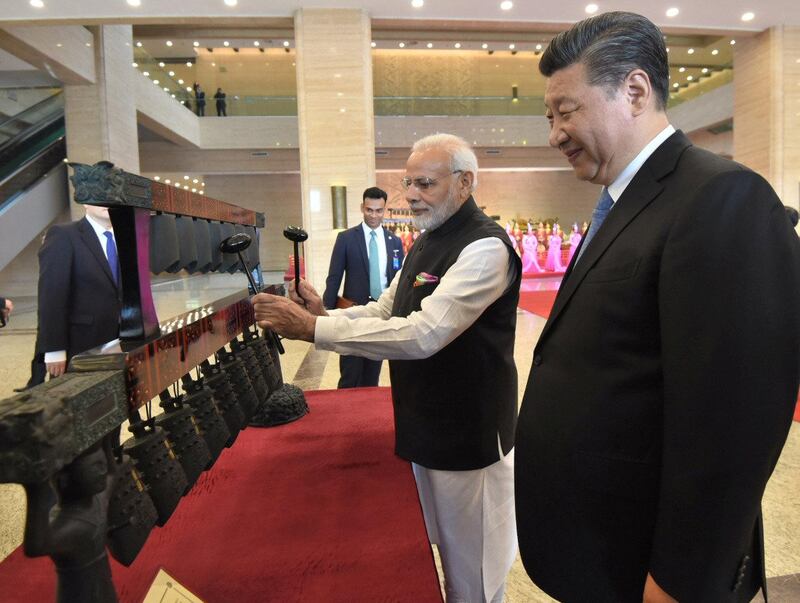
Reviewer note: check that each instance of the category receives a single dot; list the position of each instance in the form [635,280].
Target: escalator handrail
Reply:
[32,109]
[8,146]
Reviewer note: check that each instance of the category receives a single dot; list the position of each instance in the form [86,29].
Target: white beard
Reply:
[436,214]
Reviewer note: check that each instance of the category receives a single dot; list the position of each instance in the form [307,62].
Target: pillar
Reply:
[336,122]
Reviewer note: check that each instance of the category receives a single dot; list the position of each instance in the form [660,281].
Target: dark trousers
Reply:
[221,112]
[358,372]
[201,110]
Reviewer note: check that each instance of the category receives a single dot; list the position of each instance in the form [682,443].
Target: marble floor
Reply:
[311,369]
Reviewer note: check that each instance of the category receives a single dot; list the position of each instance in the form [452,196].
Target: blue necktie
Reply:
[375,288]
[111,253]
[604,205]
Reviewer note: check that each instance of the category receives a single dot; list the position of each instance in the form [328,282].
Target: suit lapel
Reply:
[642,190]
[90,239]
[387,238]
[361,243]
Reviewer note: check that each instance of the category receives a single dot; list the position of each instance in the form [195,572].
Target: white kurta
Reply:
[469,515]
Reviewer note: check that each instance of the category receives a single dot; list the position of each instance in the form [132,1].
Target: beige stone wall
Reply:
[767,108]
[64,51]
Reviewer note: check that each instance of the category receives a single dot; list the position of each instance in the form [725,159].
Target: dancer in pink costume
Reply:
[574,240]
[510,233]
[553,261]
[530,258]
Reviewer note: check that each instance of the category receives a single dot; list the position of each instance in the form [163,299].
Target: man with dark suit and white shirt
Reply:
[663,383]
[368,256]
[79,295]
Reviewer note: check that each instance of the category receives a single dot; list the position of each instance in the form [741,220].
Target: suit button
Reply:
[537,360]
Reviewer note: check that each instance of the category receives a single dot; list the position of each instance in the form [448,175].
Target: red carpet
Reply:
[320,510]
[537,302]
[797,410]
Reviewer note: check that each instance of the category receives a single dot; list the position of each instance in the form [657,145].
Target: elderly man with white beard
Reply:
[446,324]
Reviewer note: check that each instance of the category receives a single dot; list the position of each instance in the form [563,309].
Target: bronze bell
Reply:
[212,425]
[184,434]
[157,464]
[272,376]
[242,388]
[131,513]
[252,368]
[216,379]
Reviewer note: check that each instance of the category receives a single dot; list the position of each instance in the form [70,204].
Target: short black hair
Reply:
[610,46]
[373,192]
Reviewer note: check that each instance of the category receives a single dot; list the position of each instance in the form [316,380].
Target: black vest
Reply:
[450,408]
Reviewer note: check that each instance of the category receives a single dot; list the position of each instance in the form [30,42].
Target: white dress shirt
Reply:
[480,275]
[381,240]
[99,229]
[616,188]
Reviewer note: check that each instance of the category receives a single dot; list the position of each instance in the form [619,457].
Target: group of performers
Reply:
[541,249]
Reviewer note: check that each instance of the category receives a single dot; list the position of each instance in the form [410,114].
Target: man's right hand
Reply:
[56,369]
[308,298]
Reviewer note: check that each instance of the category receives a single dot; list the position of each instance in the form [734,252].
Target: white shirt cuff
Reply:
[59,356]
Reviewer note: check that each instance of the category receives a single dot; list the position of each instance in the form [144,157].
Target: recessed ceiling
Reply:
[717,14]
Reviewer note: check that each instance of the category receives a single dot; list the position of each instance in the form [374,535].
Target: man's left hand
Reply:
[284,316]
[653,593]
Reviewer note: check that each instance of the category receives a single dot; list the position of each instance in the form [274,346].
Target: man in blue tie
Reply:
[368,256]
[663,383]
[79,294]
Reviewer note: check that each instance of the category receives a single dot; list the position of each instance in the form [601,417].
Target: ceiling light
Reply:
[135,64]
[156,82]
[373,44]
[188,88]
[138,44]
[172,95]
[156,178]
[231,2]
[135,2]
[506,5]
[195,181]
[202,184]
[88,44]
[733,42]
[161,64]
[188,63]
[185,177]
[59,45]
[430,44]
[591,8]
[748,16]
[202,192]
[417,3]
[286,43]
[256,43]
[689,78]
[146,73]
[682,69]
[168,42]
[167,181]
[672,12]
[194,190]
[538,47]
[180,82]
[690,51]
[715,52]
[171,74]
[37,4]
[511,46]
[226,43]
[166,89]
[186,187]
[704,70]
[676,85]
[196,44]
[402,44]
[484,46]
[457,45]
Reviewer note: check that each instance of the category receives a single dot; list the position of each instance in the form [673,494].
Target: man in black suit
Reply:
[79,296]
[663,383]
[367,276]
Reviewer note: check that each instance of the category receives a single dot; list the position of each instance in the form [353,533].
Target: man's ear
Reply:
[639,90]
[465,181]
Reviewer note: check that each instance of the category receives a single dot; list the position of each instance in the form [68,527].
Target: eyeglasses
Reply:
[423,183]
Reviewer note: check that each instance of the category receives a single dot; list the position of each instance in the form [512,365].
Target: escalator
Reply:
[31,144]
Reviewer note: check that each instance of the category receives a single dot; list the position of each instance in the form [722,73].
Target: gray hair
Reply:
[462,157]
